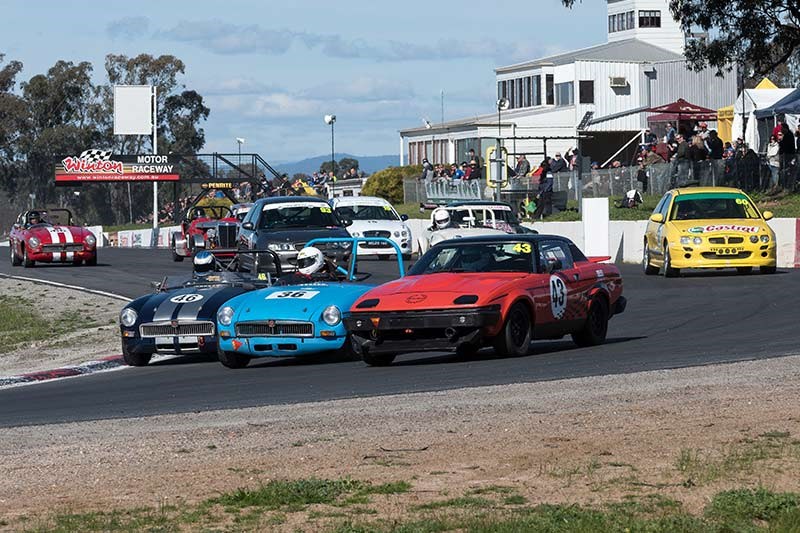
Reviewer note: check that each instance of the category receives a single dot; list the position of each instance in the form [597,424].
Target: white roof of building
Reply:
[629,50]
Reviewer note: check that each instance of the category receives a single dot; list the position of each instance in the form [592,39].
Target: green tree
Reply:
[761,33]
[388,183]
[346,163]
[326,167]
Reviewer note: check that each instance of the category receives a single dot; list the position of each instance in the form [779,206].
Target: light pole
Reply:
[502,105]
[428,126]
[331,119]
[240,142]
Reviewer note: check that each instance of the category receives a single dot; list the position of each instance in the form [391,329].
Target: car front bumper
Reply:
[170,345]
[58,256]
[281,346]
[396,332]
[723,256]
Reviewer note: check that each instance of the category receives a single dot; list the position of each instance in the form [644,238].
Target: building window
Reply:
[510,96]
[537,90]
[518,90]
[586,91]
[649,19]
[622,21]
[548,90]
[630,18]
[527,85]
[565,93]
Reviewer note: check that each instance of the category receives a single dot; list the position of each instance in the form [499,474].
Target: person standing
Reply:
[544,204]
[522,167]
[786,153]
[471,155]
[681,160]
[558,164]
[774,162]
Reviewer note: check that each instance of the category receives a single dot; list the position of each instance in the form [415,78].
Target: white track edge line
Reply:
[65,286]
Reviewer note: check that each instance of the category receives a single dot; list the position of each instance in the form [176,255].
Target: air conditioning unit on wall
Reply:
[618,81]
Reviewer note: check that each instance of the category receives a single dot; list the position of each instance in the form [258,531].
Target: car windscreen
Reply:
[477,257]
[366,212]
[305,215]
[712,206]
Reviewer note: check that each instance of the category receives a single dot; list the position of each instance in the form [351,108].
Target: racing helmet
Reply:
[34,217]
[441,218]
[203,263]
[310,260]
[475,259]
[198,212]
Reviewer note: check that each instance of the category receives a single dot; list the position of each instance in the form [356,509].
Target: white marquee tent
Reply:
[745,107]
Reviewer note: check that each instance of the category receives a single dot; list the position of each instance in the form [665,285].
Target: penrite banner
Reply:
[101,166]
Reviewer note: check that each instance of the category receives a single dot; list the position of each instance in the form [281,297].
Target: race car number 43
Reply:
[283,295]
[558,297]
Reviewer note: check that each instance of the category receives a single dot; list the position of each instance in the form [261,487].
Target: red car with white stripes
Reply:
[48,236]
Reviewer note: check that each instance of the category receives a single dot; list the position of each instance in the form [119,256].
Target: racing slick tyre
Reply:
[26,262]
[232,359]
[649,269]
[135,359]
[15,260]
[92,261]
[175,257]
[515,337]
[596,327]
[377,359]
[744,270]
[768,269]
[669,271]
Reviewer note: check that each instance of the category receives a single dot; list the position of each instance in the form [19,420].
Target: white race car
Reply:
[472,219]
[374,217]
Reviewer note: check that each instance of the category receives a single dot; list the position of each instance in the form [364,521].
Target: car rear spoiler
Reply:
[599,258]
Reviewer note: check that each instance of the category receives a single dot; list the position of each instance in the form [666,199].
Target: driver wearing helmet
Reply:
[475,259]
[203,264]
[441,219]
[34,218]
[312,266]
[198,212]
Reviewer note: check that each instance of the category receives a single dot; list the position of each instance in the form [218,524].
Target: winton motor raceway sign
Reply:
[94,166]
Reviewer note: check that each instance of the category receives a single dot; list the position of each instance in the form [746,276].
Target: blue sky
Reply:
[270,70]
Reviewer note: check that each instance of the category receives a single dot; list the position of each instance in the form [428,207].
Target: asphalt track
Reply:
[699,319]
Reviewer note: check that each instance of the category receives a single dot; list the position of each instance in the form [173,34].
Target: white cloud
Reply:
[128,28]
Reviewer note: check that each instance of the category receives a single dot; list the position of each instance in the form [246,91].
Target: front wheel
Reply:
[26,261]
[135,359]
[768,269]
[92,261]
[232,359]
[669,271]
[596,327]
[515,338]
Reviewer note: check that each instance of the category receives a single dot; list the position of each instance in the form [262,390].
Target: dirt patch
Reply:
[682,434]
[88,323]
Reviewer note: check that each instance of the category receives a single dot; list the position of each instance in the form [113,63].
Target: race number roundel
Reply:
[558,297]
[186,298]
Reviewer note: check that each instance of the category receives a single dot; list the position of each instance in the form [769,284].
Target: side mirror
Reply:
[657,217]
[768,215]
[248,226]
[403,217]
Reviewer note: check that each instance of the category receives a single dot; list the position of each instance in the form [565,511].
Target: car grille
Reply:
[378,233]
[226,235]
[162,329]
[722,240]
[274,328]
[71,247]
[712,255]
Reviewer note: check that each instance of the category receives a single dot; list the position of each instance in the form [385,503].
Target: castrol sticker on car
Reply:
[724,227]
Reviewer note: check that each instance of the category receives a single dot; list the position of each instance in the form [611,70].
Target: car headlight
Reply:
[211,233]
[34,242]
[128,317]
[225,315]
[331,315]
[765,238]
[697,241]
[280,246]
[90,241]
[754,238]
[404,233]
[355,234]
[396,233]
[686,240]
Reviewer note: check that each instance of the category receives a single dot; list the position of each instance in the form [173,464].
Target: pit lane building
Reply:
[599,91]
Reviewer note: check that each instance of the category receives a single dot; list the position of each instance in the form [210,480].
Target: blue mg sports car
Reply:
[301,313]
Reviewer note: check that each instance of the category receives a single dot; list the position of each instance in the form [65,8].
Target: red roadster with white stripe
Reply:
[48,236]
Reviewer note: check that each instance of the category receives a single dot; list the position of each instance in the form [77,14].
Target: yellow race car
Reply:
[708,227]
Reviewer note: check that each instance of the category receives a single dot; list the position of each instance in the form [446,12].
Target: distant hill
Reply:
[369,164]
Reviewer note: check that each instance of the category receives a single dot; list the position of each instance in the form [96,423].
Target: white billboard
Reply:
[133,110]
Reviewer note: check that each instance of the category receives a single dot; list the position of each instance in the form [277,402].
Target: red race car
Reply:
[499,290]
[48,236]
[206,227]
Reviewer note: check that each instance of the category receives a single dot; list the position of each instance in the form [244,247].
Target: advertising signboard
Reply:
[100,166]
